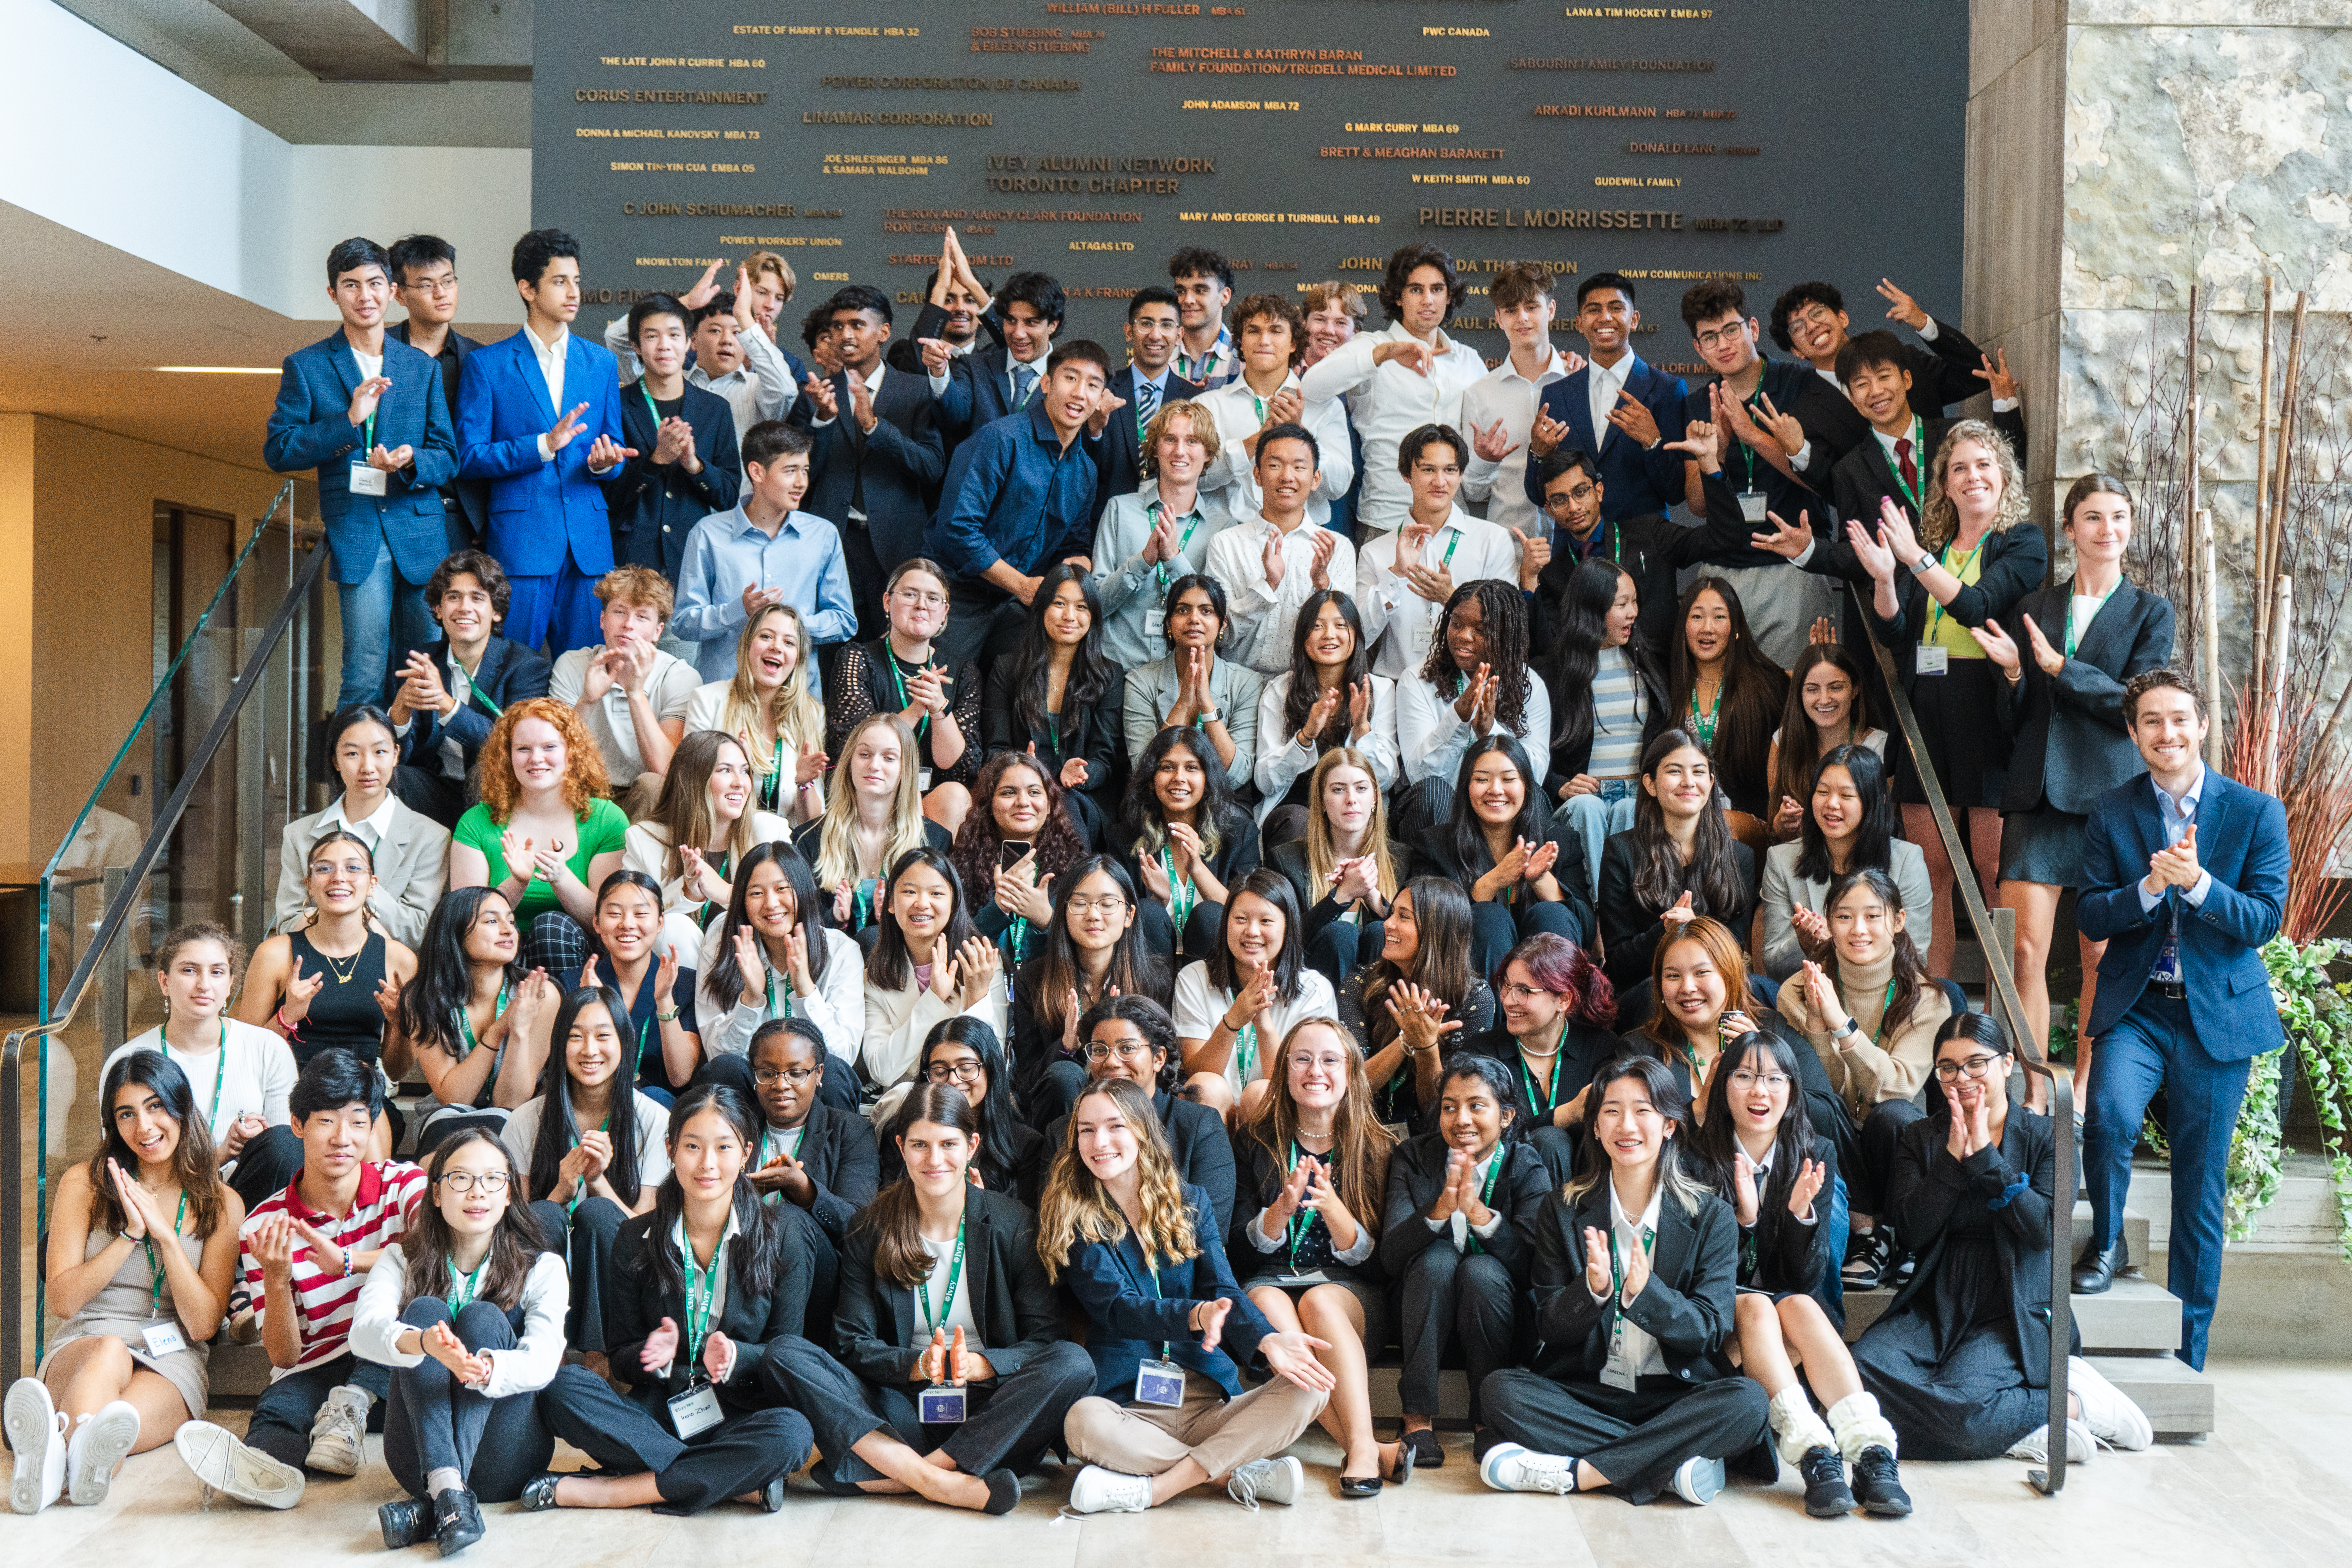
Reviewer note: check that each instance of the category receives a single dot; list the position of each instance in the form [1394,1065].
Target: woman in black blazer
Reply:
[1678,860]
[1524,873]
[1458,1235]
[1185,843]
[1553,1034]
[701,1421]
[1133,1037]
[657,497]
[1628,1386]
[2065,657]
[818,1156]
[1057,696]
[943,1300]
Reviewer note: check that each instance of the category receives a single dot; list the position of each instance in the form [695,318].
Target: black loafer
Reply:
[538,1492]
[1003,1491]
[771,1497]
[1357,1487]
[1428,1453]
[456,1520]
[2095,1271]
[1405,1460]
[403,1523]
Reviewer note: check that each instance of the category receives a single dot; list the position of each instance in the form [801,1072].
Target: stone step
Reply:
[2134,1314]
[2178,1400]
[2136,1231]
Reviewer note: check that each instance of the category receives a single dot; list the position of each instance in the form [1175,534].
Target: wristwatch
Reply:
[1211,716]
[661,1017]
[1924,562]
[1852,1027]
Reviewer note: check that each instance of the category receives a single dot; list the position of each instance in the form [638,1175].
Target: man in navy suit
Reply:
[548,528]
[368,415]
[2184,877]
[1618,407]
[976,391]
[424,283]
[1154,331]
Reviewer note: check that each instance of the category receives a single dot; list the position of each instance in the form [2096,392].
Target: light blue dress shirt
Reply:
[2177,816]
[727,553]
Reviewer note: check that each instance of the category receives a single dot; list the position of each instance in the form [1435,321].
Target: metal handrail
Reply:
[109,926]
[2001,989]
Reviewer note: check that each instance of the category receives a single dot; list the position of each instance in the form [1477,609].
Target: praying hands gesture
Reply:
[2175,866]
[674,443]
[1971,1127]
[1825,1011]
[1675,916]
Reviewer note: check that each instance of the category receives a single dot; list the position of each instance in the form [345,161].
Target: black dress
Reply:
[1091,733]
[343,1016]
[871,679]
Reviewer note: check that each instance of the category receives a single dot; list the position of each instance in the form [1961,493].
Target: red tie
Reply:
[1910,470]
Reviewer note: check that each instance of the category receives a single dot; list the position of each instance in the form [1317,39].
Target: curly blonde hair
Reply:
[584,778]
[1076,1208]
[1942,519]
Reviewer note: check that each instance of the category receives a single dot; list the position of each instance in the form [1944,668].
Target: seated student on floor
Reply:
[1185,841]
[143,1248]
[627,694]
[699,1289]
[701,828]
[1959,1360]
[1871,1013]
[1143,1255]
[1700,1001]
[467,1017]
[543,834]
[927,964]
[1475,686]
[1091,946]
[773,707]
[1553,1035]
[1611,703]
[1053,694]
[770,957]
[589,1146]
[1133,1037]
[953,1377]
[411,851]
[1828,708]
[1633,1291]
[467,1312]
[302,1254]
[1458,1235]
[1013,851]
[1234,1006]
[1762,1156]
[1344,871]
[443,698]
[1849,826]
[1727,695]
[898,674]
[1310,1170]
[1677,861]
[1327,700]
[1268,564]
[816,1155]
[1414,1001]
[1191,684]
[873,814]
[244,1076]
[965,1054]
[659,1025]
[1525,873]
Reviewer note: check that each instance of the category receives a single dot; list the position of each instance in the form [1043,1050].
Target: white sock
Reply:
[443,1479]
[1859,1425]
[1799,1430]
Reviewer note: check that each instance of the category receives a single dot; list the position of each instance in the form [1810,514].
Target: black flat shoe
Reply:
[1826,1494]
[1881,1490]
[1003,1492]
[1357,1487]
[456,1520]
[771,1497]
[2095,1271]
[1405,1460]
[403,1523]
[1428,1453]
[538,1492]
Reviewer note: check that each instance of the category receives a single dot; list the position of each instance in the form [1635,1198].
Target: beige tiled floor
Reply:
[2264,1489]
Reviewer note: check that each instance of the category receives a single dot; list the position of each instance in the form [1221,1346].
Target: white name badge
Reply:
[1159,1382]
[696,1410]
[923,781]
[1153,621]
[1621,1370]
[368,482]
[1751,506]
[163,1339]
[1934,660]
[940,1406]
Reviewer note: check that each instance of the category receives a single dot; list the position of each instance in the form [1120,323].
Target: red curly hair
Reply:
[584,778]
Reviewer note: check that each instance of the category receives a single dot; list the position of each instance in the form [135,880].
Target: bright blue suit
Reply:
[386,546]
[2198,1046]
[547,526]
[1634,482]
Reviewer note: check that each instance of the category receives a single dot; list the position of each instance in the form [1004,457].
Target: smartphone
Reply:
[1010,851]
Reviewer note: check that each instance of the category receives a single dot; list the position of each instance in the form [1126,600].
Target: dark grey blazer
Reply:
[890,471]
[2070,741]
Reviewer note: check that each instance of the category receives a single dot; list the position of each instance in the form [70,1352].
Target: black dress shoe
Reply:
[2096,1270]
[538,1492]
[1407,1456]
[1357,1487]
[771,1497]
[1881,1489]
[1428,1453]
[456,1520]
[403,1523]
[1826,1493]
[1003,1492]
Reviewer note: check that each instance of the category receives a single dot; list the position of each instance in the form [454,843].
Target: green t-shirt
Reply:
[602,833]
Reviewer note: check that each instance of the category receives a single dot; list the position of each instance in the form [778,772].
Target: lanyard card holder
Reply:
[1621,1372]
[696,1411]
[1934,660]
[1751,506]
[942,1405]
[163,1338]
[369,482]
[1159,1382]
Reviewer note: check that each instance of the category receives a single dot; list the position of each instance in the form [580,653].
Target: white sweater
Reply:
[529,1367]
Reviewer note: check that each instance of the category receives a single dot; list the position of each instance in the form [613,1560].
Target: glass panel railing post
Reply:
[252,897]
[114,973]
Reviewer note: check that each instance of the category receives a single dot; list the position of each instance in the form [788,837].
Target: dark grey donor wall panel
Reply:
[1773,141]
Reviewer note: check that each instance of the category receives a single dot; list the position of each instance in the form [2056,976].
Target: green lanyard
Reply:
[1304,1220]
[1452,545]
[1910,493]
[1167,1350]
[1551,1100]
[465,1288]
[1166,576]
[1054,733]
[774,789]
[931,1323]
[1020,937]
[155,1304]
[220,1076]
[1245,1051]
[466,1024]
[1942,559]
[2071,634]
[1494,1170]
[367,436]
[580,1191]
[899,683]
[702,1289]
[1703,725]
[1182,896]
[647,392]
[473,692]
[773,1013]
[1879,1035]
[1616,1270]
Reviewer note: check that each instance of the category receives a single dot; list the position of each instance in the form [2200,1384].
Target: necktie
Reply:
[1025,382]
[1146,402]
[1903,459]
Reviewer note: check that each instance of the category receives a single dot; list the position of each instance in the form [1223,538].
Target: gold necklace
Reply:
[345,970]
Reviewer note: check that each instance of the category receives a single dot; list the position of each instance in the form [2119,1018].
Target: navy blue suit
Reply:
[2197,1046]
[385,546]
[548,523]
[1634,482]
[1132,1317]
[980,393]
[508,674]
[656,505]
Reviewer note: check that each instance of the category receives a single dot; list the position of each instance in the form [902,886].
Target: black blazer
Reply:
[510,674]
[877,1329]
[1118,457]
[472,516]
[1629,925]
[1584,1054]
[1789,1254]
[1822,1102]
[1943,371]
[634,1305]
[1094,735]
[1685,1306]
[1653,550]
[839,1154]
[1258,1177]
[1783,381]
[1416,1172]
[1927,1187]
[1237,851]
[1196,1134]
[907,354]
[655,505]
[2071,744]
[891,475]
[1434,857]
[1317,906]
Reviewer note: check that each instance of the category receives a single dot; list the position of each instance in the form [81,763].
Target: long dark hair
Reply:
[515,1244]
[1873,841]
[751,1261]
[1028,665]
[1147,822]
[1152,1022]
[1216,591]
[1659,874]
[195,1163]
[1289,962]
[726,977]
[979,840]
[1575,655]
[999,1109]
[1909,973]
[1048,979]
[1306,685]
[1504,609]
[443,986]
[1464,830]
[1717,1144]
[893,1219]
[1753,688]
[557,1131]
[1801,737]
[1441,963]
[888,964]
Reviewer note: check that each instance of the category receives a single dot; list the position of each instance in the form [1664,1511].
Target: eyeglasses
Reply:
[1515,992]
[435,286]
[463,1181]
[1746,1080]
[1303,1062]
[1975,1067]
[1721,336]
[766,1077]
[1578,495]
[1109,904]
[928,601]
[1126,1052]
[955,1072]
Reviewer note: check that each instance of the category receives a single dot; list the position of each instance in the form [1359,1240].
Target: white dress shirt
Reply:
[1240,413]
[1602,386]
[1264,617]
[1398,622]
[761,388]
[1504,393]
[1281,758]
[1433,737]
[1635,1345]
[1388,403]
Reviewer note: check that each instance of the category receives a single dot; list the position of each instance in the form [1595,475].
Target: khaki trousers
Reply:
[1218,1433]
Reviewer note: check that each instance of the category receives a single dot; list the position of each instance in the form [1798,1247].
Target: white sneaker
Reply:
[339,1436]
[37,1437]
[2107,1410]
[1098,1490]
[1512,1467]
[243,1472]
[1698,1480]
[1266,1480]
[2035,1447]
[96,1451]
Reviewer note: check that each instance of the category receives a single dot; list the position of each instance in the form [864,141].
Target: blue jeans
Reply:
[282,1416]
[1593,817]
[381,611]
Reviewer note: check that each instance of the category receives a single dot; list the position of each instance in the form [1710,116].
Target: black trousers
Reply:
[749,1449]
[1013,1420]
[1453,1299]
[267,1165]
[1496,929]
[1204,927]
[1335,950]
[282,1416]
[979,631]
[1875,1142]
[431,793]
[434,1422]
[1637,1437]
[584,1236]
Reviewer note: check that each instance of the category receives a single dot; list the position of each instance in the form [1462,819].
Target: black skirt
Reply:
[2044,845]
[1966,743]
